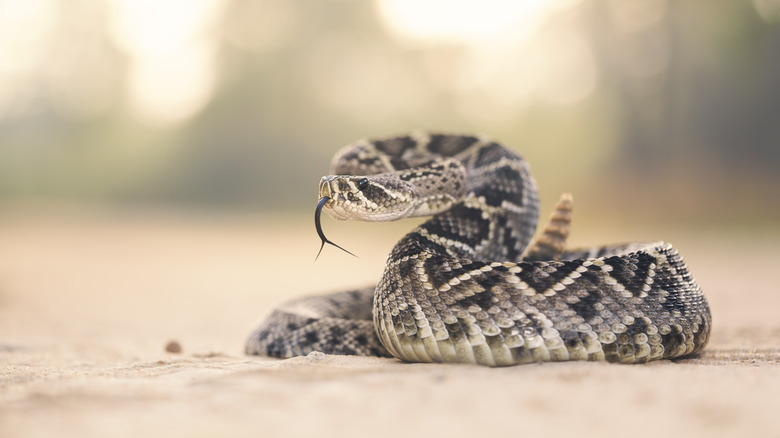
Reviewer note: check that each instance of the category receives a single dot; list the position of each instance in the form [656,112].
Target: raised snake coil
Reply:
[464,287]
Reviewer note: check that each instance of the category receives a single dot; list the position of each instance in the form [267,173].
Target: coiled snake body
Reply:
[465,286]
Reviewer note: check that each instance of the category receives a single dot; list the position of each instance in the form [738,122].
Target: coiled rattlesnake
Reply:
[463,287]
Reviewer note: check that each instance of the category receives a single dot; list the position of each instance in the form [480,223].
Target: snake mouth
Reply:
[318,226]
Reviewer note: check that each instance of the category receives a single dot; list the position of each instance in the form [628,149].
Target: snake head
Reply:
[367,198]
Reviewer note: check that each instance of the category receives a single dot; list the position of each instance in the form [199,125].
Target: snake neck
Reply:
[438,186]
[496,216]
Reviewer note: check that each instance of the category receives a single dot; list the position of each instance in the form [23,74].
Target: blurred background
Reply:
[647,108]
[159,161]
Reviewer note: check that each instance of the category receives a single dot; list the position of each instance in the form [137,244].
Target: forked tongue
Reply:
[318,226]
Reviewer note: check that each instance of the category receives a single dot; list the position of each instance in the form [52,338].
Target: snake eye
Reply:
[362,184]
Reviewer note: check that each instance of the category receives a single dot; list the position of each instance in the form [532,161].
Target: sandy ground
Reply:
[88,304]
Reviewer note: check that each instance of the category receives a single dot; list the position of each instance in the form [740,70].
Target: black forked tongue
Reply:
[318,226]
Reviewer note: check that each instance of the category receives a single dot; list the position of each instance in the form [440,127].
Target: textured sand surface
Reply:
[87,306]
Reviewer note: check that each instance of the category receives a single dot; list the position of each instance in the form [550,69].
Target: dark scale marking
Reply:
[486,280]
[448,145]
[399,163]
[312,337]
[632,278]
[372,191]
[664,280]
[483,300]
[505,188]
[671,341]
[637,327]
[406,269]
[543,276]
[395,146]
[585,306]
[361,339]
[508,238]
[500,269]
[336,332]
[491,153]
[571,338]
[592,276]
[469,227]
[439,276]
[367,162]
[611,352]
[673,302]
[276,348]
[588,284]
[536,322]
[415,243]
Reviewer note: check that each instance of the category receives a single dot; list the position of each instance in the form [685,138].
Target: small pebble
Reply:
[173,347]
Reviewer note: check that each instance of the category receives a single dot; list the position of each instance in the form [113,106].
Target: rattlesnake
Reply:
[465,287]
